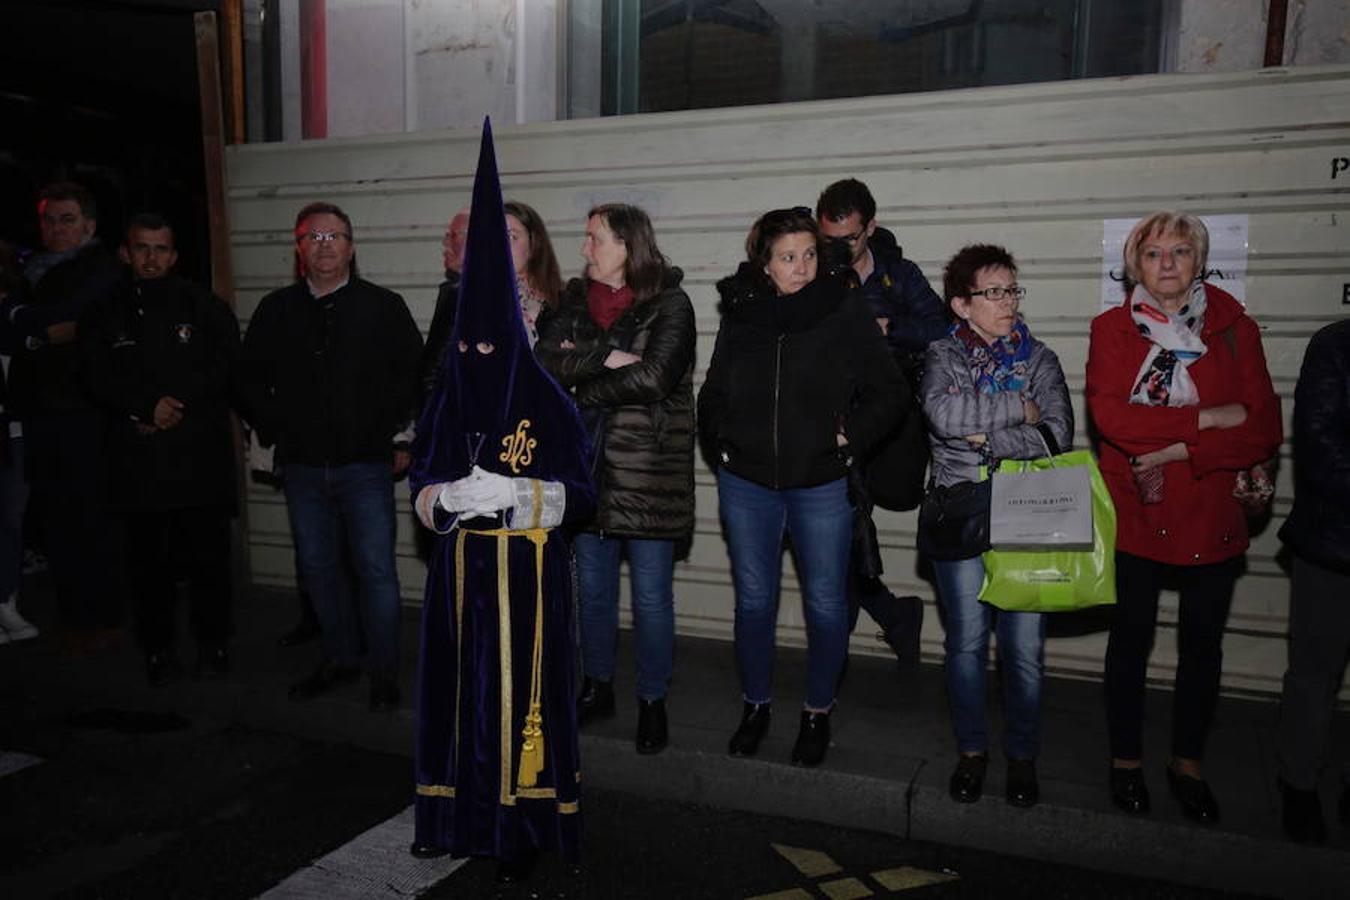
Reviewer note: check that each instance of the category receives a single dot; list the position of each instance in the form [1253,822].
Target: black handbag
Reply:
[954,521]
[865,556]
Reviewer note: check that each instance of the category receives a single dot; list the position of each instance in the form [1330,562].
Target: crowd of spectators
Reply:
[117,454]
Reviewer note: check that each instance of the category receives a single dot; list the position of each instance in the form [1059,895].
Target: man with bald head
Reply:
[443,319]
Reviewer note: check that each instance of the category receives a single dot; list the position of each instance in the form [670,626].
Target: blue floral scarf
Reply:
[1000,366]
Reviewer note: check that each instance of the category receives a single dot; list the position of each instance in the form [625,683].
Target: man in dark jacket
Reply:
[63,429]
[443,317]
[911,315]
[329,376]
[158,352]
[1318,533]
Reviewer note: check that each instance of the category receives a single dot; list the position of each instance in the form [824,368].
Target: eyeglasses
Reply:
[322,237]
[1178,254]
[997,293]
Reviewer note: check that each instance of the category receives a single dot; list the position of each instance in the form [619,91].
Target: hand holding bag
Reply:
[1057,578]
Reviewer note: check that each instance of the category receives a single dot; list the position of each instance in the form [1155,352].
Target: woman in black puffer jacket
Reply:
[799,382]
[623,340]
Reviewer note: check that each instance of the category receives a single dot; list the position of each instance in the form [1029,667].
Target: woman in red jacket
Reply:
[1178,389]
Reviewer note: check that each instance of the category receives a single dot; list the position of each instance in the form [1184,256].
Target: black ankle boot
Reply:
[754,725]
[596,700]
[903,635]
[652,732]
[813,739]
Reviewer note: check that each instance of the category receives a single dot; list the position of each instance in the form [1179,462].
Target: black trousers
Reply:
[1319,638]
[64,459]
[166,546]
[1206,594]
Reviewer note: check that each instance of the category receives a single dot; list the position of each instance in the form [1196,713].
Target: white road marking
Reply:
[15,762]
[374,864]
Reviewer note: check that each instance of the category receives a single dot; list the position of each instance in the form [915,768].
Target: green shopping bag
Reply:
[1056,579]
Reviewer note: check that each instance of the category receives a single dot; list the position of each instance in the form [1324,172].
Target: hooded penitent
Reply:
[496,755]
[495,409]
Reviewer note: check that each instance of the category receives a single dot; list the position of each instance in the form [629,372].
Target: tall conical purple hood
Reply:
[498,409]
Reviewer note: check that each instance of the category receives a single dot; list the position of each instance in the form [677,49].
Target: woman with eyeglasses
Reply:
[799,383]
[989,390]
[1178,389]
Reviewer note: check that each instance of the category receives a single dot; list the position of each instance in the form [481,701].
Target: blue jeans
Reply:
[820,522]
[353,506]
[1021,644]
[651,568]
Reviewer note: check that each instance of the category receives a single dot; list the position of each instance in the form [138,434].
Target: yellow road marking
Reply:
[906,877]
[794,894]
[845,889]
[811,863]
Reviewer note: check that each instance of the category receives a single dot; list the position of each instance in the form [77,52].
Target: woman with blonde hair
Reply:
[1178,389]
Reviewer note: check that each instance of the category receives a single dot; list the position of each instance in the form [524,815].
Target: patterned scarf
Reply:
[1163,379]
[531,304]
[1000,366]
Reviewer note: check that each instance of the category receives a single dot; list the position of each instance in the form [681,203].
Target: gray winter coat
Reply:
[954,410]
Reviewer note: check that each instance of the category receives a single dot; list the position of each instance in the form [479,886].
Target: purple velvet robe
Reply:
[497,624]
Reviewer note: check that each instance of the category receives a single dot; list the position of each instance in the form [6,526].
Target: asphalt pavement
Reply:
[884,781]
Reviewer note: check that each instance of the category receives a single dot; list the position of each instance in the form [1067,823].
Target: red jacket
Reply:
[1198,521]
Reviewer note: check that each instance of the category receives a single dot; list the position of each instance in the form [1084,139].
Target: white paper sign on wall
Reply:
[1227,266]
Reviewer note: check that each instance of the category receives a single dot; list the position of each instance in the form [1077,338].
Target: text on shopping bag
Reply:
[1050,507]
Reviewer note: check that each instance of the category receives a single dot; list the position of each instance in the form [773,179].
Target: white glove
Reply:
[481,493]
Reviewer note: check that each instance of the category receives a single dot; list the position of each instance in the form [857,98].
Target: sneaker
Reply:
[15,626]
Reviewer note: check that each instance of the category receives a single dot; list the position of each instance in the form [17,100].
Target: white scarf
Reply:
[1163,379]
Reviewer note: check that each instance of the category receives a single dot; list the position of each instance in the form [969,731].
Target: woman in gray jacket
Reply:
[986,388]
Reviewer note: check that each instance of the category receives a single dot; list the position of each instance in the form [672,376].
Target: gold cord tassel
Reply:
[532,749]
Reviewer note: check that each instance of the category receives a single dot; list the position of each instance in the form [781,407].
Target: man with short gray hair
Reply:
[330,378]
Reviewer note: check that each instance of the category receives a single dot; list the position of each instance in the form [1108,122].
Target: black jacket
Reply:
[644,413]
[897,290]
[331,380]
[787,373]
[1318,527]
[45,378]
[442,323]
[152,339]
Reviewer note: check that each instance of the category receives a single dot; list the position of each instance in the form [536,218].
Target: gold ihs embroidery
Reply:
[519,448]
